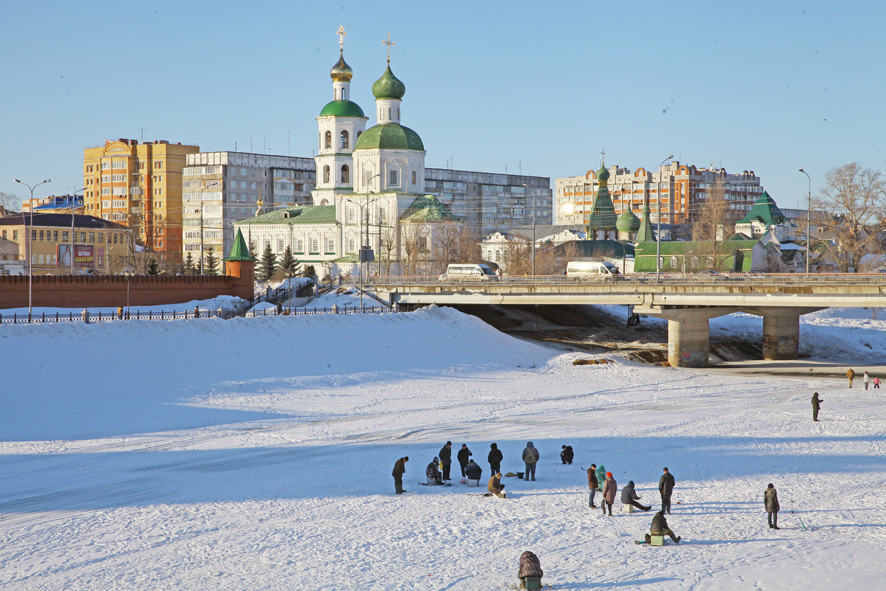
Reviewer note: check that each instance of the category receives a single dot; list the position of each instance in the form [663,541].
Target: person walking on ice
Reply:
[866,379]
[816,403]
[770,502]
[399,469]
[851,375]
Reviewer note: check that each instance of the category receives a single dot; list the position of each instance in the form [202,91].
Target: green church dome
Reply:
[341,71]
[388,86]
[389,136]
[342,109]
[602,174]
[627,222]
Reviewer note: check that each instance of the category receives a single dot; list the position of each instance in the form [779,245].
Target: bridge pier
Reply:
[781,331]
[689,341]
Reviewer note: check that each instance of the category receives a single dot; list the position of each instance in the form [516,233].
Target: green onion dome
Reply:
[627,222]
[388,86]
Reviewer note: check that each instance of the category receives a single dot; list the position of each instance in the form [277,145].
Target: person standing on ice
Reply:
[399,469]
[464,454]
[851,375]
[816,402]
[876,383]
[630,497]
[593,484]
[495,486]
[433,472]
[666,487]
[867,380]
[530,458]
[601,477]
[494,458]
[770,501]
[446,458]
[609,488]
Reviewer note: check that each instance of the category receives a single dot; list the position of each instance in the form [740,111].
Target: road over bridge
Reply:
[688,302]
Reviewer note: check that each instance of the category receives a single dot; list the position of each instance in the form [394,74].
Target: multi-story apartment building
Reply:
[220,188]
[492,202]
[676,190]
[62,243]
[139,185]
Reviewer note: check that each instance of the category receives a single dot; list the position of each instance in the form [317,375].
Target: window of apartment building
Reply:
[106,178]
[41,234]
[242,172]
[4,234]
[158,165]
[141,165]
[64,236]
[106,165]
[119,164]
[92,237]
[40,259]
[83,237]
[252,185]
[253,172]
[242,184]
[55,235]
[315,246]
[101,238]
[15,234]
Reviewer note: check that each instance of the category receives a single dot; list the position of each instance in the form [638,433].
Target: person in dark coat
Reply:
[433,472]
[494,458]
[530,458]
[567,454]
[464,454]
[666,487]
[495,486]
[630,497]
[609,488]
[530,566]
[399,469]
[473,471]
[660,527]
[816,403]
[593,484]
[770,502]
[446,458]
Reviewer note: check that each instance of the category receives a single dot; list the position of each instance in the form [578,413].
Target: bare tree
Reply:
[711,225]
[9,203]
[454,243]
[516,258]
[387,246]
[855,198]
[415,241]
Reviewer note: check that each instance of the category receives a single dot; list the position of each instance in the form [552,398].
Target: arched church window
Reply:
[343,139]
[328,142]
[345,174]
[326,174]
[414,177]
[389,112]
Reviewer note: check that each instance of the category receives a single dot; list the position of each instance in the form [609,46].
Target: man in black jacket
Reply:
[464,454]
[446,459]
[494,458]
[666,487]
[660,527]
[473,471]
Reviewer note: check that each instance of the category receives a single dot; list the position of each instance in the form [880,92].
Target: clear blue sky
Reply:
[538,86]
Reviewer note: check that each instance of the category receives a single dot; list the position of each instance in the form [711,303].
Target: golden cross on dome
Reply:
[341,38]
[603,157]
[389,43]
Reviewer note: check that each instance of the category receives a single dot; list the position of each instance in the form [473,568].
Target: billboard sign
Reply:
[84,255]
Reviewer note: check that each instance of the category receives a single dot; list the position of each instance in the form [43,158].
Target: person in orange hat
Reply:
[609,488]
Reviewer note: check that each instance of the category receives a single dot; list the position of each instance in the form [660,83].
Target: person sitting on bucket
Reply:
[495,486]
[473,471]
[530,566]
[433,472]
[660,527]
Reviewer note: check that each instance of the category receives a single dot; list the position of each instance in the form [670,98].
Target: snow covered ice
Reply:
[257,454]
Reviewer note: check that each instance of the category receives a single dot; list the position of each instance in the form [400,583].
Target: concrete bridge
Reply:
[688,302]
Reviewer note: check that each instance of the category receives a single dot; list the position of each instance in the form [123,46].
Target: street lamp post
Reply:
[658,222]
[360,254]
[808,220]
[29,245]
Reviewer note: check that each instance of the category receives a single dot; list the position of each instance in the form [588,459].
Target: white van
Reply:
[468,272]
[589,268]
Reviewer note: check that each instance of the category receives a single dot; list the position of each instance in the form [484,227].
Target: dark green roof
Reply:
[342,109]
[589,249]
[646,233]
[603,213]
[428,209]
[389,136]
[627,222]
[239,252]
[388,86]
[765,210]
[306,214]
[645,256]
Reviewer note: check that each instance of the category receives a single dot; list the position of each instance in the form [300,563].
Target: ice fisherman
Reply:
[399,469]
[433,472]
[530,458]
[666,487]
[530,566]
[567,455]
[494,458]
[630,497]
[473,471]
[464,454]
[446,458]
[816,404]
[495,486]
[660,527]
[770,502]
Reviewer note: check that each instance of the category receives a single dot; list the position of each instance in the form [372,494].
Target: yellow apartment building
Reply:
[139,185]
[92,244]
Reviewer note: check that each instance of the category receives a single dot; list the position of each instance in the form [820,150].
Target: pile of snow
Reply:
[257,454]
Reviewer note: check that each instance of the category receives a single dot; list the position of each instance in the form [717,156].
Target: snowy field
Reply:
[256,454]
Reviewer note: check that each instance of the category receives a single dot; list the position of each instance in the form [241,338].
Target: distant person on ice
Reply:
[473,471]
[660,527]
[593,485]
[446,458]
[530,458]
[530,566]
[567,455]
[495,486]
[601,477]
[666,487]
[609,488]
[630,497]
[464,454]
[433,472]
[851,375]
[876,383]
[866,379]
[816,403]
[399,469]
[494,458]
[770,501]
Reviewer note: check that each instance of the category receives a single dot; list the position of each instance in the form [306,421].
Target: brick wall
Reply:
[80,291]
